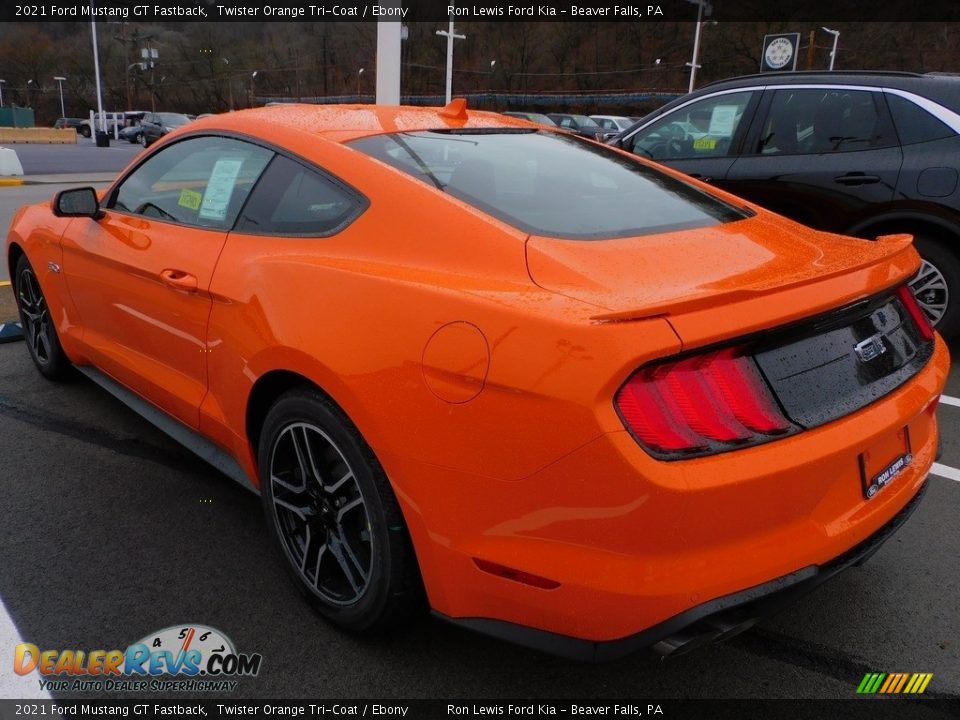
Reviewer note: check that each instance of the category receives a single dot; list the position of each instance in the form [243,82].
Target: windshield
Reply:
[548,183]
[173,119]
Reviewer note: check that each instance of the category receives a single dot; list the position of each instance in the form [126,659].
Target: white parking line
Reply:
[945,471]
[948,400]
[13,686]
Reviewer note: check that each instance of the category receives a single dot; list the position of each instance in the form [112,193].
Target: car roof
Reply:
[845,77]
[342,123]
[940,87]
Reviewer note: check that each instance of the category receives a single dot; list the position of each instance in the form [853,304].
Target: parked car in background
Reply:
[154,126]
[538,118]
[75,123]
[557,393]
[131,133]
[577,124]
[857,153]
[612,124]
[113,122]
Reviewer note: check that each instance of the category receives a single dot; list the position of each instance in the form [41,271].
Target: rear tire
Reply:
[937,285]
[331,509]
[85,131]
[38,327]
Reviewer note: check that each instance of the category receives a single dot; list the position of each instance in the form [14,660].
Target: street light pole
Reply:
[833,51]
[1,92]
[253,96]
[694,62]
[359,75]
[60,80]
[451,35]
[96,67]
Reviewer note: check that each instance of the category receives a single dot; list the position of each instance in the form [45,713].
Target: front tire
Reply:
[38,327]
[331,509]
[937,285]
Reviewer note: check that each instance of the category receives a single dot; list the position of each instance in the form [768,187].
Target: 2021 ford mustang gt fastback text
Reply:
[553,391]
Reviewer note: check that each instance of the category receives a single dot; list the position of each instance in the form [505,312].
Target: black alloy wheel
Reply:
[331,509]
[937,286]
[38,329]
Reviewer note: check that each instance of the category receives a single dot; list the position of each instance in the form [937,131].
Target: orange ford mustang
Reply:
[558,393]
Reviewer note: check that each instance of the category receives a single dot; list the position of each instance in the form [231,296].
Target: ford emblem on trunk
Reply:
[870,348]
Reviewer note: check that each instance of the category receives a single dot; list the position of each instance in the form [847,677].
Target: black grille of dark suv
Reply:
[843,361]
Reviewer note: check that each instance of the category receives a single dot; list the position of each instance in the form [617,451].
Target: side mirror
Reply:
[76,202]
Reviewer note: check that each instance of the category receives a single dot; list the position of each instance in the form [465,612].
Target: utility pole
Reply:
[451,35]
[390,36]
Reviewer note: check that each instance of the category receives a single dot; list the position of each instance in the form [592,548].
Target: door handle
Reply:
[179,280]
[857,179]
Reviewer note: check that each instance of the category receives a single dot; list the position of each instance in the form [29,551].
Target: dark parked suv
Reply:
[154,126]
[862,154]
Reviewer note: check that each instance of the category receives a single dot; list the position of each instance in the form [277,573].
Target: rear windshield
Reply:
[548,183]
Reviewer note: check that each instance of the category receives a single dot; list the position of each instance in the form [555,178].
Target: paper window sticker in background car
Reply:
[219,189]
[189,199]
[706,143]
[722,120]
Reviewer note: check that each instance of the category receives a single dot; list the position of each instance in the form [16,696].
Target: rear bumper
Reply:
[718,619]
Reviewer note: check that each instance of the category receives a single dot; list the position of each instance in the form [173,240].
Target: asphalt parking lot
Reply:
[110,531]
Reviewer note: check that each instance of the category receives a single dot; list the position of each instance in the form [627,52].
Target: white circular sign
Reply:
[779,53]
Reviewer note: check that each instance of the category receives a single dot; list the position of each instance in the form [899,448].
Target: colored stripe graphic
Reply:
[894,683]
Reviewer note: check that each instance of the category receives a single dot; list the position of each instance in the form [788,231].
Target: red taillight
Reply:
[708,403]
[913,307]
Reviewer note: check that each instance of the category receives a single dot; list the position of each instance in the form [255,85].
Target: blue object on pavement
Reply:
[10,332]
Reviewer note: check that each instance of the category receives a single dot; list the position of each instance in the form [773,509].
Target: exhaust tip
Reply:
[709,630]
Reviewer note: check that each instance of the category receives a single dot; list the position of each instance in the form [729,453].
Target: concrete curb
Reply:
[91,178]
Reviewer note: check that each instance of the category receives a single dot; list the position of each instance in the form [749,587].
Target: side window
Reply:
[788,129]
[296,200]
[913,123]
[828,120]
[702,129]
[199,181]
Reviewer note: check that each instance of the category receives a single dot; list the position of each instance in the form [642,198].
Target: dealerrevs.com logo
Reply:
[180,658]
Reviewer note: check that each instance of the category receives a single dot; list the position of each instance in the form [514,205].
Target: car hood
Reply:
[729,279]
